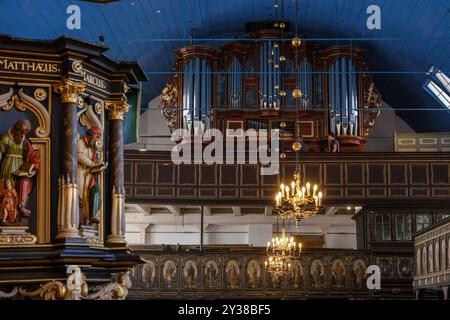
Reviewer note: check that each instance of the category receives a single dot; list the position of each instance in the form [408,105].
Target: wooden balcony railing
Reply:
[239,272]
[360,178]
[432,258]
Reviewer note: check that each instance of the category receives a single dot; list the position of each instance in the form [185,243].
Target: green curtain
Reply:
[131,123]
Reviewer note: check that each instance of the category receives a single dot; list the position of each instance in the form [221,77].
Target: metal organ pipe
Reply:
[269,75]
[197,84]
[235,79]
[343,97]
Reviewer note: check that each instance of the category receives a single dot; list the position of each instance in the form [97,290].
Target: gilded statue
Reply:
[19,164]
[90,167]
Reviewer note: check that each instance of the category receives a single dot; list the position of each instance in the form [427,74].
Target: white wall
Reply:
[254,230]
[190,235]
[381,138]
[153,123]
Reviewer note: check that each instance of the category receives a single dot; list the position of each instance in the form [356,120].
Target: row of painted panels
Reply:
[171,271]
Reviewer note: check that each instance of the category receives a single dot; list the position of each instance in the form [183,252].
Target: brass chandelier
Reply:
[298,201]
[280,252]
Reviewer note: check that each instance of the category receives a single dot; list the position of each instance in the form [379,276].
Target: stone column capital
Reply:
[117,109]
[70,90]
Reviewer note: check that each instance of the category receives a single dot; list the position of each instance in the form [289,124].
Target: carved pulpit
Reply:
[62,108]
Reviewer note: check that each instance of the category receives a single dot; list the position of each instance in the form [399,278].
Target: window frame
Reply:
[438,86]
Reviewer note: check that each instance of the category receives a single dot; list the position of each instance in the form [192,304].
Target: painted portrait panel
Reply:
[232,274]
[253,274]
[405,267]
[170,274]
[148,274]
[190,274]
[338,273]
[359,273]
[317,273]
[296,274]
[386,266]
[211,274]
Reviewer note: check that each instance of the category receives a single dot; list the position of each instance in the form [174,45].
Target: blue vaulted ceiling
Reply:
[415,35]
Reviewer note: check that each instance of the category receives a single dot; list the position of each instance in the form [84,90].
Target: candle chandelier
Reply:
[298,201]
[280,252]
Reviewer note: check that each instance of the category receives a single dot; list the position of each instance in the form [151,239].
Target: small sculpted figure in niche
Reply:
[8,207]
[89,168]
[19,164]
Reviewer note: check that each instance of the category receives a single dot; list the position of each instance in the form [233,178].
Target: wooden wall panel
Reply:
[165,173]
[376,174]
[342,179]
[144,173]
[333,174]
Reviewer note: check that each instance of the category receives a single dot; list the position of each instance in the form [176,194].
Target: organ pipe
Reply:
[343,97]
[197,84]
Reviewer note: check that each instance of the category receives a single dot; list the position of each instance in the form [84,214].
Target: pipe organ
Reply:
[197,79]
[266,80]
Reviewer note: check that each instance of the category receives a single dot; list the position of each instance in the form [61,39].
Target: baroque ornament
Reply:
[40,94]
[169,105]
[70,90]
[117,109]
[75,288]
[23,102]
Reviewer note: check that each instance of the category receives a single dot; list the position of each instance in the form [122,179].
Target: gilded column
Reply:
[117,111]
[68,206]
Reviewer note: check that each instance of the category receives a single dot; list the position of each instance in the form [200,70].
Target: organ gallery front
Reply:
[62,109]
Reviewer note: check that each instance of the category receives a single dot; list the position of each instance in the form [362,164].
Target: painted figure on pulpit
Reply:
[211,274]
[90,167]
[297,273]
[19,164]
[149,274]
[169,271]
[190,273]
[338,273]
[232,272]
[253,273]
[359,270]
[317,273]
